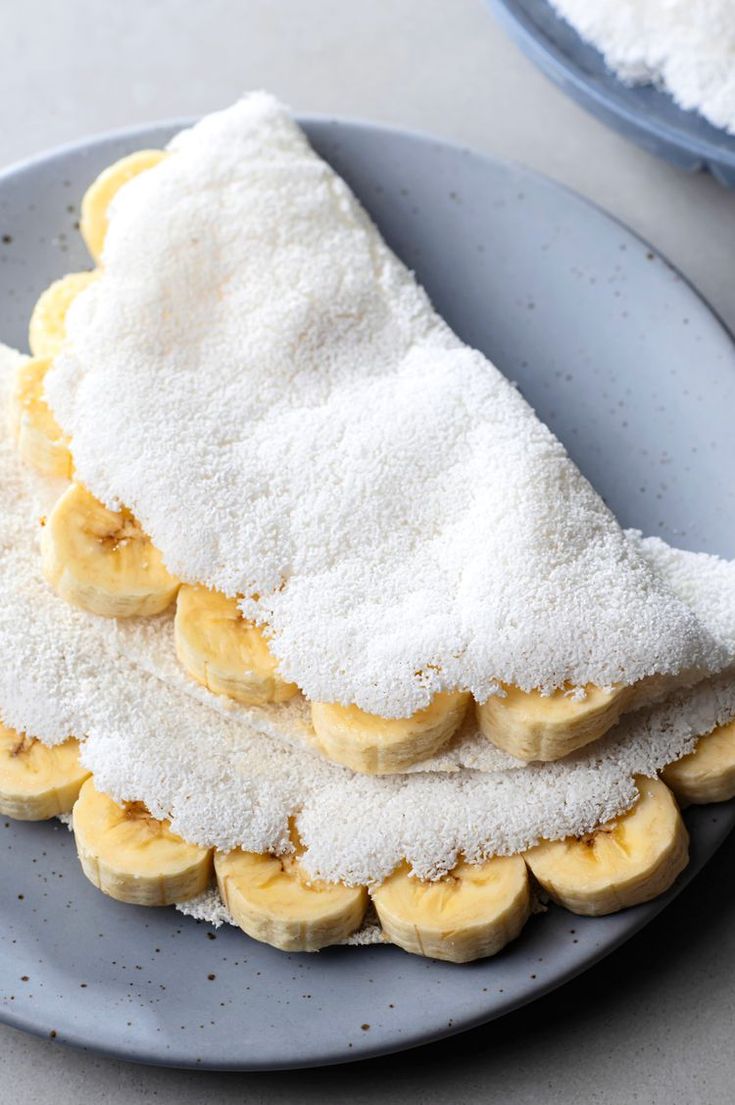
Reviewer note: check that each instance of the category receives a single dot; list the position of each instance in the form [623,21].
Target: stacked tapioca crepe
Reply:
[315,602]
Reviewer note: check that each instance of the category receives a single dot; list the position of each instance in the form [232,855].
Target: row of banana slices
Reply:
[102,561]
[470,913]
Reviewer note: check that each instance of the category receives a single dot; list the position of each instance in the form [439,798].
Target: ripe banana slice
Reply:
[629,860]
[223,651]
[472,912]
[101,560]
[41,443]
[533,726]
[708,773]
[47,330]
[99,195]
[273,900]
[379,746]
[38,781]
[132,856]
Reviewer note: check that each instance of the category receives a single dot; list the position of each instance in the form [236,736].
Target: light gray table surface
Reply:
[654,1022]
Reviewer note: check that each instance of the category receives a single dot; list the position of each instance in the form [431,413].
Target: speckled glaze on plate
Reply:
[633,372]
[646,115]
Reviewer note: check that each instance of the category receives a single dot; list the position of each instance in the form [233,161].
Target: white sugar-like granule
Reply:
[225,783]
[367,935]
[207,907]
[687,46]
[263,383]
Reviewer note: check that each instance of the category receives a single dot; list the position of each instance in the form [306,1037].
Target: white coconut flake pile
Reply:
[224,783]
[263,383]
[686,46]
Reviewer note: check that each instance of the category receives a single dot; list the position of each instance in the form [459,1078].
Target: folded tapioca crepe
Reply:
[261,381]
[298,431]
[238,777]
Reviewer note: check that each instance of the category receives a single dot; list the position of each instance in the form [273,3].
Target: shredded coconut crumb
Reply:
[207,907]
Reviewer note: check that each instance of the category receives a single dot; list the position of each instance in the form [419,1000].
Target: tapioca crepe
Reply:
[262,382]
[228,779]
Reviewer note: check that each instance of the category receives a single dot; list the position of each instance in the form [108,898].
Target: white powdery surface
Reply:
[263,383]
[688,46]
[224,783]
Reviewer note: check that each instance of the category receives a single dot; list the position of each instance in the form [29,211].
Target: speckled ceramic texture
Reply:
[637,377]
[644,114]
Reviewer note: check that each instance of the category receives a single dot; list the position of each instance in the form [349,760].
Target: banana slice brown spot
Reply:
[376,745]
[38,781]
[41,443]
[223,651]
[47,329]
[273,899]
[101,560]
[708,773]
[629,860]
[98,197]
[533,726]
[471,913]
[132,856]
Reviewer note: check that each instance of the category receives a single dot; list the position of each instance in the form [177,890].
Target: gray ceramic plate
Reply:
[645,114]
[637,377]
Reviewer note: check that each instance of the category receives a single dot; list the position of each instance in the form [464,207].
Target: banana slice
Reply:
[533,726]
[223,651]
[132,856]
[708,773]
[38,781]
[99,195]
[101,560]
[379,746]
[472,912]
[273,900]
[47,330]
[629,860]
[41,443]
